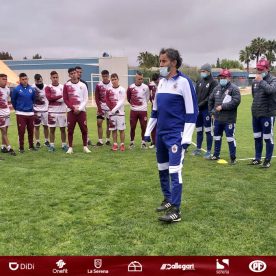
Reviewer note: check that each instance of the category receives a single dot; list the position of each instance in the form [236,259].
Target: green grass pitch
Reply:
[103,203]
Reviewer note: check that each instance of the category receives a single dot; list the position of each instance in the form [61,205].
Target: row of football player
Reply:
[58,105]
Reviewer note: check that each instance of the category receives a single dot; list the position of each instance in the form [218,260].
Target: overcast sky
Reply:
[202,30]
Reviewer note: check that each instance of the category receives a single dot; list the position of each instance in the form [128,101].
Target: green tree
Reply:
[230,64]
[148,60]
[37,56]
[246,56]
[258,47]
[218,63]
[271,50]
[5,56]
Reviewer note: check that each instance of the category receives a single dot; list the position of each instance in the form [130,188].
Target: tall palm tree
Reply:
[271,51]
[246,56]
[148,60]
[258,47]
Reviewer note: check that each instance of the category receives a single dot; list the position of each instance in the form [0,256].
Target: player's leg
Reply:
[153,138]
[44,122]
[30,130]
[2,126]
[199,134]
[162,156]
[230,136]
[100,119]
[258,139]
[218,132]
[133,122]
[268,124]
[21,126]
[71,121]
[5,138]
[107,129]
[37,123]
[62,124]
[176,156]
[143,119]
[82,122]
[52,120]
[121,126]
[207,123]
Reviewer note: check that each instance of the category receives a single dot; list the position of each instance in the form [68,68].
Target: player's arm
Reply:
[147,93]
[190,117]
[152,121]
[85,99]
[235,100]
[97,99]
[120,102]
[66,98]
[14,96]
[50,97]
[129,94]
[211,102]
[268,88]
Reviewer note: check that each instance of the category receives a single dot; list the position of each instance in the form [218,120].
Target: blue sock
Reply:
[269,149]
[232,149]
[176,190]
[217,147]
[209,139]
[199,139]
[258,148]
[164,177]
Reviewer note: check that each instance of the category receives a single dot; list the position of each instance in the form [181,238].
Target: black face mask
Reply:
[40,86]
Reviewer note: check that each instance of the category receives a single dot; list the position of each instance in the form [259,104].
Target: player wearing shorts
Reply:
[102,108]
[115,99]
[5,115]
[56,111]
[40,111]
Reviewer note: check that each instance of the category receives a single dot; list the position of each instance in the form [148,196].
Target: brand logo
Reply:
[134,267]
[222,266]
[22,266]
[207,118]
[257,266]
[98,263]
[266,124]
[60,264]
[230,126]
[177,266]
[174,148]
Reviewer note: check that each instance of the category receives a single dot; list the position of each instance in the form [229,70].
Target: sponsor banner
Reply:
[137,265]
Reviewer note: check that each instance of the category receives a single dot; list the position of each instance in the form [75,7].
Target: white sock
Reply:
[63,144]
[9,147]
[38,141]
[46,139]
[52,145]
[3,146]
[115,144]
[107,140]
[101,141]
[122,144]
[131,142]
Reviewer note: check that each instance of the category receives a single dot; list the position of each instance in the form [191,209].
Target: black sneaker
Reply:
[99,144]
[12,152]
[37,145]
[233,161]
[266,164]
[255,162]
[33,149]
[4,150]
[21,150]
[47,144]
[172,215]
[89,143]
[214,158]
[107,143]
[165,205]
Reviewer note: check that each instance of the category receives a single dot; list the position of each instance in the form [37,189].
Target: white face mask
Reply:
[164,71]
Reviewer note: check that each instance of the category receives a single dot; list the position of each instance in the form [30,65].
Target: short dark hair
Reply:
[22,75]
[78,68]
[3,76]
[155,76]
[37,76]
[54,73]
[104,72]
[139,73]
[114,75]
[72,69]
[173,55]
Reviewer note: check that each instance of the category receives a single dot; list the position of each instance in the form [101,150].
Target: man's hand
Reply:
[147,138]
[258,77]
[218,108]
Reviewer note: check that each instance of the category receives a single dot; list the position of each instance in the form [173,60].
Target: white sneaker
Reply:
[70,150]
[86,150]
[144,146]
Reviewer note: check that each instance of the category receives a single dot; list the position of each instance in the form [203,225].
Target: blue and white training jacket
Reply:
[175,108]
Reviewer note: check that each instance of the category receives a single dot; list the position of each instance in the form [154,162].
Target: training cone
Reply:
[222,161]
